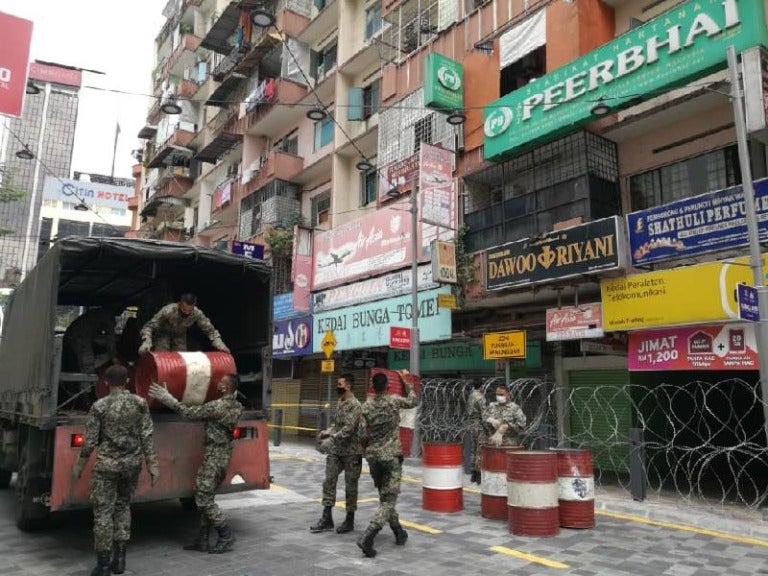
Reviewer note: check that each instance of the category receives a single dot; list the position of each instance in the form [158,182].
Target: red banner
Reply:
[55,74]
[301,271]
[14,59]
[399,337]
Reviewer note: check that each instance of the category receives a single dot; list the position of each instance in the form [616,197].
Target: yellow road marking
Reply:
[684,528]
[420,527]
[281,489]
[472,490]
[291,457]
[529,557]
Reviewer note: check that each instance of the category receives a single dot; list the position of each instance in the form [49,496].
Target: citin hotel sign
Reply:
[684,43]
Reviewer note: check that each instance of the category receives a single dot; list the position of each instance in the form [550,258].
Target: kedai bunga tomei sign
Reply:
[589,248]
[687,42]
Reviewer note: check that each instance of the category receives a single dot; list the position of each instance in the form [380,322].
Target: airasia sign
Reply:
[14,57]
[575,322]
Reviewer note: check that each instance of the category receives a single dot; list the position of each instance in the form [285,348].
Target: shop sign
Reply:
[449,357]
[387,286]
[292,337]
[301,268]
[699,294]
[444,262]
[376,243]
[17,37]
[697,225]
[503,345]
[575,323]
[443,83]
[585,249]
[92,193]
[436,195]
[400,176]
[754,64]
[686,42]
[724,347]
[282,307]
[367,325]
[248,249]
[399,337]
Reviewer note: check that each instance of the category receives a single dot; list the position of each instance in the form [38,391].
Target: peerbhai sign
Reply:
[92,193]
[686,42]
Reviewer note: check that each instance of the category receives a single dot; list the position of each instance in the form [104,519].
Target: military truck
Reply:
[41,424]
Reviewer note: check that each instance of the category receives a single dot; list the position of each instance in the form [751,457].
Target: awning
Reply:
[157,202]
[159,158]
[523,39]
[222,29]
[147,132]
[219,146]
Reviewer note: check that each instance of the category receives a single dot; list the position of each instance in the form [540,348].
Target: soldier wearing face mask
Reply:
[342,443]
[503,420]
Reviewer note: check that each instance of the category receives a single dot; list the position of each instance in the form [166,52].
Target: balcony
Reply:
[263,40]
[147,132]
[173,186]
[268,120]
[154,114]
[187,89]
[218,137]
[277,165]
[363,60]
[229,62]
[183,56]
[322,24]
[217,37]
[176,142]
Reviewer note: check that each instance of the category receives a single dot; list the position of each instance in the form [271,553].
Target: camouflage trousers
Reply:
[478,439]
[386,476]
[110,497]
[352,466]
[210,475]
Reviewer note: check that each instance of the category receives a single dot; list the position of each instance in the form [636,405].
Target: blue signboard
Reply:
[367,325]
[282,307]
[248,249]
[292,337]
[749,309]
[705,223]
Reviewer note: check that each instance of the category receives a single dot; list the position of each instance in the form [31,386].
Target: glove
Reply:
[324,433]
[493,422]
[145,348]
[77,469]
[496,439]
[161,394]
[219,345]
[154,472]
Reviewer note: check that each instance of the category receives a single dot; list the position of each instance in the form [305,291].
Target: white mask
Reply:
[501,399]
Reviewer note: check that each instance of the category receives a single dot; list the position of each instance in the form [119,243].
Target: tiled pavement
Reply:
[274,540]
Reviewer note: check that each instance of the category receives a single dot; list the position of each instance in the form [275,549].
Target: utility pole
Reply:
[415,350]
[753,232]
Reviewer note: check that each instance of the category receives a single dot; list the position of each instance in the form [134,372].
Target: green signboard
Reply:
[687,42]
[459,357]
[443,83]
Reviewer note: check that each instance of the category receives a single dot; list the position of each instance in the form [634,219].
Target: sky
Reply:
[111,37]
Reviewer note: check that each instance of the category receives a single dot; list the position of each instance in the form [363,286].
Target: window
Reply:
[373,21]
[521,72]
[368,187]
[321,209]
[289,144]
[703,173]
[322,62]
[371,97]
[323,133]
[422,132]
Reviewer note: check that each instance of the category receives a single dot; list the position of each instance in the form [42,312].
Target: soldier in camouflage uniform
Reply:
[345,454]
[120,427]
[504,420]
[475,407]
[385,456]
[167,330]
[220,417]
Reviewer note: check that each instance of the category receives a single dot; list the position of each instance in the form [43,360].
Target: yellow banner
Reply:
[685,295]
[503,345]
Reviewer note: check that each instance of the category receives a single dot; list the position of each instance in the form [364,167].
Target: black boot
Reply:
[200,543]
[325,522]
[473,478]
[348,525]
[118,557]
[400,534]
[479,477]
[225,542]
[365,542]
[102,564]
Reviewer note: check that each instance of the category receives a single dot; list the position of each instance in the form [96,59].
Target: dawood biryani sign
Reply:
[684,43]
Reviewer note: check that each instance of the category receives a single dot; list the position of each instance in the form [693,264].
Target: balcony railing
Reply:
[286,92]
[277,165]
[188,43]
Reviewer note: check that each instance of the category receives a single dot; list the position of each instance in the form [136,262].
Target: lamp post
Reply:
[753,232]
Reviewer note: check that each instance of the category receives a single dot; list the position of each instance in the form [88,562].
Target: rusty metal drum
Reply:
[493,481]
[532,493]
[576,488]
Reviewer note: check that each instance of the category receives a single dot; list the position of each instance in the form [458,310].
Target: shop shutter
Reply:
[601,416]
[314,391]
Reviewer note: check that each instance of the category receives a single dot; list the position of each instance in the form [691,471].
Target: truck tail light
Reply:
[77,440]
[244,433]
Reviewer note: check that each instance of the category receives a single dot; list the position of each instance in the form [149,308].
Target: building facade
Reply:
[47,129]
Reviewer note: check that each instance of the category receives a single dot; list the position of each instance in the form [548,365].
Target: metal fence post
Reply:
[468,453]
[322,418]
[277,432]
[545,437]
[638,479]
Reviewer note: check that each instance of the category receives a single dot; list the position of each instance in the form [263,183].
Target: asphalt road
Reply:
[274,540]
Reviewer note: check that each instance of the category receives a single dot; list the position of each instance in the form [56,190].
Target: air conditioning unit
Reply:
[232,170]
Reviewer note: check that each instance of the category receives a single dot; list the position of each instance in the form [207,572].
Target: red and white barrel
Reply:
[442,477]
[576,487]
[407,424]
[493,481]
[532,493]
[408,415]
[191,377]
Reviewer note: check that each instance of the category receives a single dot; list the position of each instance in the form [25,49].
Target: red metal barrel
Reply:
[532,493]
[190,376]
[407,416]
[493,481]
[442,477]
[576,487]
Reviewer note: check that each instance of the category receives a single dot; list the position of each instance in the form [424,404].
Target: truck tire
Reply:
[31,515]
[5,478]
